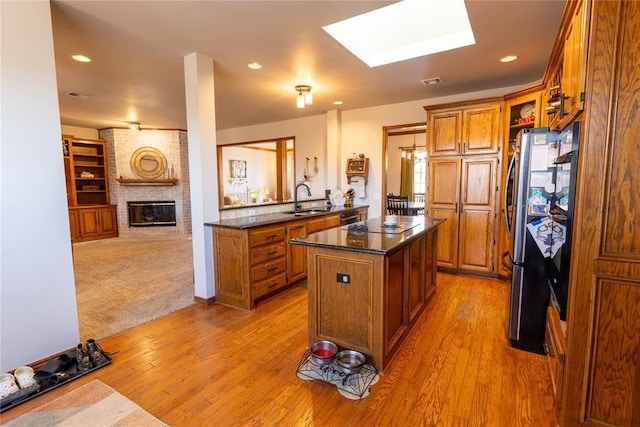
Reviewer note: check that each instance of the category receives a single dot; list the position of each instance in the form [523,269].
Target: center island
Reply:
[369,282]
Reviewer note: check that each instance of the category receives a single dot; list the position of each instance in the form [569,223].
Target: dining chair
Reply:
[419,198]
[397,205]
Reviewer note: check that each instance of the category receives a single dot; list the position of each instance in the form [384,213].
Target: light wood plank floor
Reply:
[215,366]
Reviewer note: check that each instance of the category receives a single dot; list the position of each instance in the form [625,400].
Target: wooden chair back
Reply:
[397,205]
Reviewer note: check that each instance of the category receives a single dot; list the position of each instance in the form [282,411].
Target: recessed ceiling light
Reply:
[337,102]
[508,58]
[81,58]
[405,30]
[431,81]
[254,65]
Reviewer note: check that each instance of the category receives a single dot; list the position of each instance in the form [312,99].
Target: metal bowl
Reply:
[350,361]
[323,352]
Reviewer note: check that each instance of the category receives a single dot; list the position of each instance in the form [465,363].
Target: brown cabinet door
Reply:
[296,254]
[108,221]
[232,268]
[430,265]
[573,62]
[74,224]
[444,136]
[416,294]
[363,214]
[444,195]
[476,249]
[89,222]
[395,317]
[481,133]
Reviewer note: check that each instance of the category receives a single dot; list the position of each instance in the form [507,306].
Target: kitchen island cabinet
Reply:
[368,289]
[251,256]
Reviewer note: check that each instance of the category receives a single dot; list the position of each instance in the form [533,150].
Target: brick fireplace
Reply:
[121,144]
[152,213]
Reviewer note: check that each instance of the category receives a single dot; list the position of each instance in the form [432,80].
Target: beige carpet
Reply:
[124,282]
[92,404]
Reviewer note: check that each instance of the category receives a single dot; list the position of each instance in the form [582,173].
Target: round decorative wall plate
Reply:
[527,110]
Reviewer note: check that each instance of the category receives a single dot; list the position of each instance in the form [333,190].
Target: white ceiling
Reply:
[137,48]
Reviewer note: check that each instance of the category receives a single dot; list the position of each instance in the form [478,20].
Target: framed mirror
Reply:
[256,172]
[148,163]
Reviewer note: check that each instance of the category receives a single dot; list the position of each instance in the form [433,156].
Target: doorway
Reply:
[405,162]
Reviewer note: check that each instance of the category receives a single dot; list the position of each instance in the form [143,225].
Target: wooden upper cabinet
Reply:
[566,73]
[446,133]
[463,130]
[481,130]
[573,61]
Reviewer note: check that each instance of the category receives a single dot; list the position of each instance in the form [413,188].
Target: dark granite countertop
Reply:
[275,218]
[377,239]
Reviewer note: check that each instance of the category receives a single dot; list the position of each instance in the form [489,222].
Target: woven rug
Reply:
[92,404]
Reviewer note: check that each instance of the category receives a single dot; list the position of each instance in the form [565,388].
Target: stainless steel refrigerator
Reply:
[529,197]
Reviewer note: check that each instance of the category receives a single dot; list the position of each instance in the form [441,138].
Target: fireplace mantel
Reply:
[137,181]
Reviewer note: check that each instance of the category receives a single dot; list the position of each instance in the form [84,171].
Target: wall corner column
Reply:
[201,131]
[334,149]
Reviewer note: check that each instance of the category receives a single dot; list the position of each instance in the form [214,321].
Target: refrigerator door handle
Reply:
[508,264]
[512,263]
[506,210]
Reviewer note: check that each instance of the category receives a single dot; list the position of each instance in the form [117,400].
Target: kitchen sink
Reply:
[304,212]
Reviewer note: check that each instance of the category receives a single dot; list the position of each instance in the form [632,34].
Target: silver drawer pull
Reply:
[272,285]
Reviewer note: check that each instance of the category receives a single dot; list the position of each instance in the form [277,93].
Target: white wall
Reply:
[80,132]
[311,138]
[38,301]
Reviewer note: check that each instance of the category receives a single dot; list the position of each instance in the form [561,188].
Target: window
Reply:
[420,172]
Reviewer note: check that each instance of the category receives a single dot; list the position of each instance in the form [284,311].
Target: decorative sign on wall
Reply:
[238,172]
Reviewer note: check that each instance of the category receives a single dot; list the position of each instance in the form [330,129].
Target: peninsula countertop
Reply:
[376,238]
[278,217]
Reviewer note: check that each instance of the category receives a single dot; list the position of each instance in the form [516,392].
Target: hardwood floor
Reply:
[218,366]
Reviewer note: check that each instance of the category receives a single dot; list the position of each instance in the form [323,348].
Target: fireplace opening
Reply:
[147,214]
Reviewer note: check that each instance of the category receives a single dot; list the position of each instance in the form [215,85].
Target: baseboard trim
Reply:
[204,301]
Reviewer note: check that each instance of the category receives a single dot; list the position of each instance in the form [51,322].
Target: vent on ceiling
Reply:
[431,81]
[78,95]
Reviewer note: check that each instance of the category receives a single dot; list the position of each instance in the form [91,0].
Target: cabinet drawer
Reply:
[268,252]
[263,236]
[264,287]
[315,225]
[333,221]
[268,269]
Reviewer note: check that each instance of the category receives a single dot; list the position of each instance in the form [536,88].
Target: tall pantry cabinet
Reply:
[601,382]
[463,141]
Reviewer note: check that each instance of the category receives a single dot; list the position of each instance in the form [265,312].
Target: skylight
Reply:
[405,30]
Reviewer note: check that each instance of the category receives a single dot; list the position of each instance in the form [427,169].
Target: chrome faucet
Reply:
[295,195]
